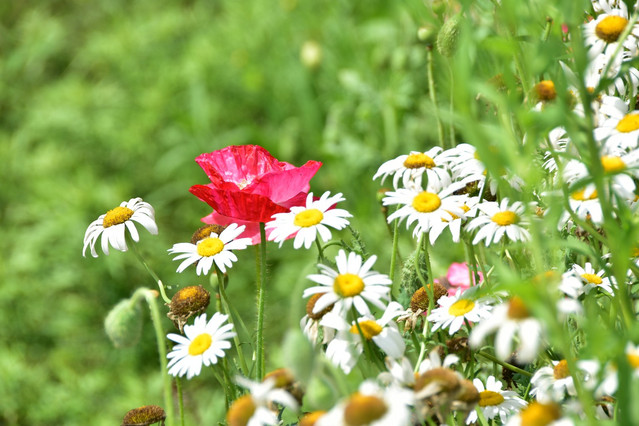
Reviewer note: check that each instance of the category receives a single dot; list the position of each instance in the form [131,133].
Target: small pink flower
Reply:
[458,277]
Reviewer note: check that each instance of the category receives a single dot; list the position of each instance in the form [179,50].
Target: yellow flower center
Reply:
[489,398]
[311,419]
[461,307]
[610,28]
[633,360]
[117,216]
[635,252]
[505,218]
[579,195]
[417,161]
[426,202]
[560,371]
[592,278]
[348,285]
[210,247]
[363,409]
[309,217]
[538,414]
[546,90]
[612,164]
[200,344]
[517,309]
[629,123]
[369,329]
[241,411]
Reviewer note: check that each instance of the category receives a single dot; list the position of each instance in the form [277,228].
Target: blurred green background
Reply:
[105,100]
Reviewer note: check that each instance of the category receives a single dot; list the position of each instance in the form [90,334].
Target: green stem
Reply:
[433,97]
[178,383]
[151,299]
[393,264]
[261,275]
[320,251]
[226,304]
[504,364]
[137,254]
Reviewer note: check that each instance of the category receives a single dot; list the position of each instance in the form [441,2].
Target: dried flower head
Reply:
[206,231]
[187,302]
[145,415]
[284,379]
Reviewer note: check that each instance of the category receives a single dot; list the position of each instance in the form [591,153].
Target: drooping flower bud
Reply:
[123,325]
[448,36]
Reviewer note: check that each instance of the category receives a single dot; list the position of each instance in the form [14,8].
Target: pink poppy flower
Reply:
[458,278]
[249,185]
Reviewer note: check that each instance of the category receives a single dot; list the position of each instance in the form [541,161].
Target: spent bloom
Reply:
[214,248]
[204,342]
[353,284]
[113,225]
[306,222]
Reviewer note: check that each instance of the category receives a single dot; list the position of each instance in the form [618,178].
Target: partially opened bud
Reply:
[123,324]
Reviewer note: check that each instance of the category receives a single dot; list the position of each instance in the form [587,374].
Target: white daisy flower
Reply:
[464,163]
[453,311]
[619,133]
[346,347]
[215,248]
[602,33]
[585,207]
[493,401]
[255,408]
[204,343]
[372,405]
[113,225]
[510,319]
[307,222]
[578,281]
[353,284]
[434,209]
[496,220]
[402,373]
[411,168]
[537,413]
[552,383]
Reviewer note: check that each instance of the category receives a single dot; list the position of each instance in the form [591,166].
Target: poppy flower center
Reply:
[309,217]
[517,310]
[369,329]
[538,414]
[546,90]
[200,344]
[489,398]
[592,278]
[426,202]
[241,411]
[348,285]
[579,195]
[612,164]
[560,371]
[633,360]
[417,161]
[610,28]
[364,409]
[505,218]
[461,307]
[629,123]
[117,216]
[210,247]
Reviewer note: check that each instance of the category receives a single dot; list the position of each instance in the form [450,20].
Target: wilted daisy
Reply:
[453,311]
[578,281]
[204,343]
[306,222]
[310,323]
[346,346]
[214,248]
[493,401]
[113,225]
[353,284]
[553,383]
[498,219]
[372,405]
[411,168]
[510,319]
[433,208]
[255,408]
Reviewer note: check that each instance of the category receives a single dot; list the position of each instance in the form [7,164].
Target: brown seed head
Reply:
[188,301]
[420,300]
[143,416]
[310,305]
[205,232]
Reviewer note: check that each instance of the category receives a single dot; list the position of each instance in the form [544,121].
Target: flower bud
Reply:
[427,34]
[448,36]
[145,415]
[123,324]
